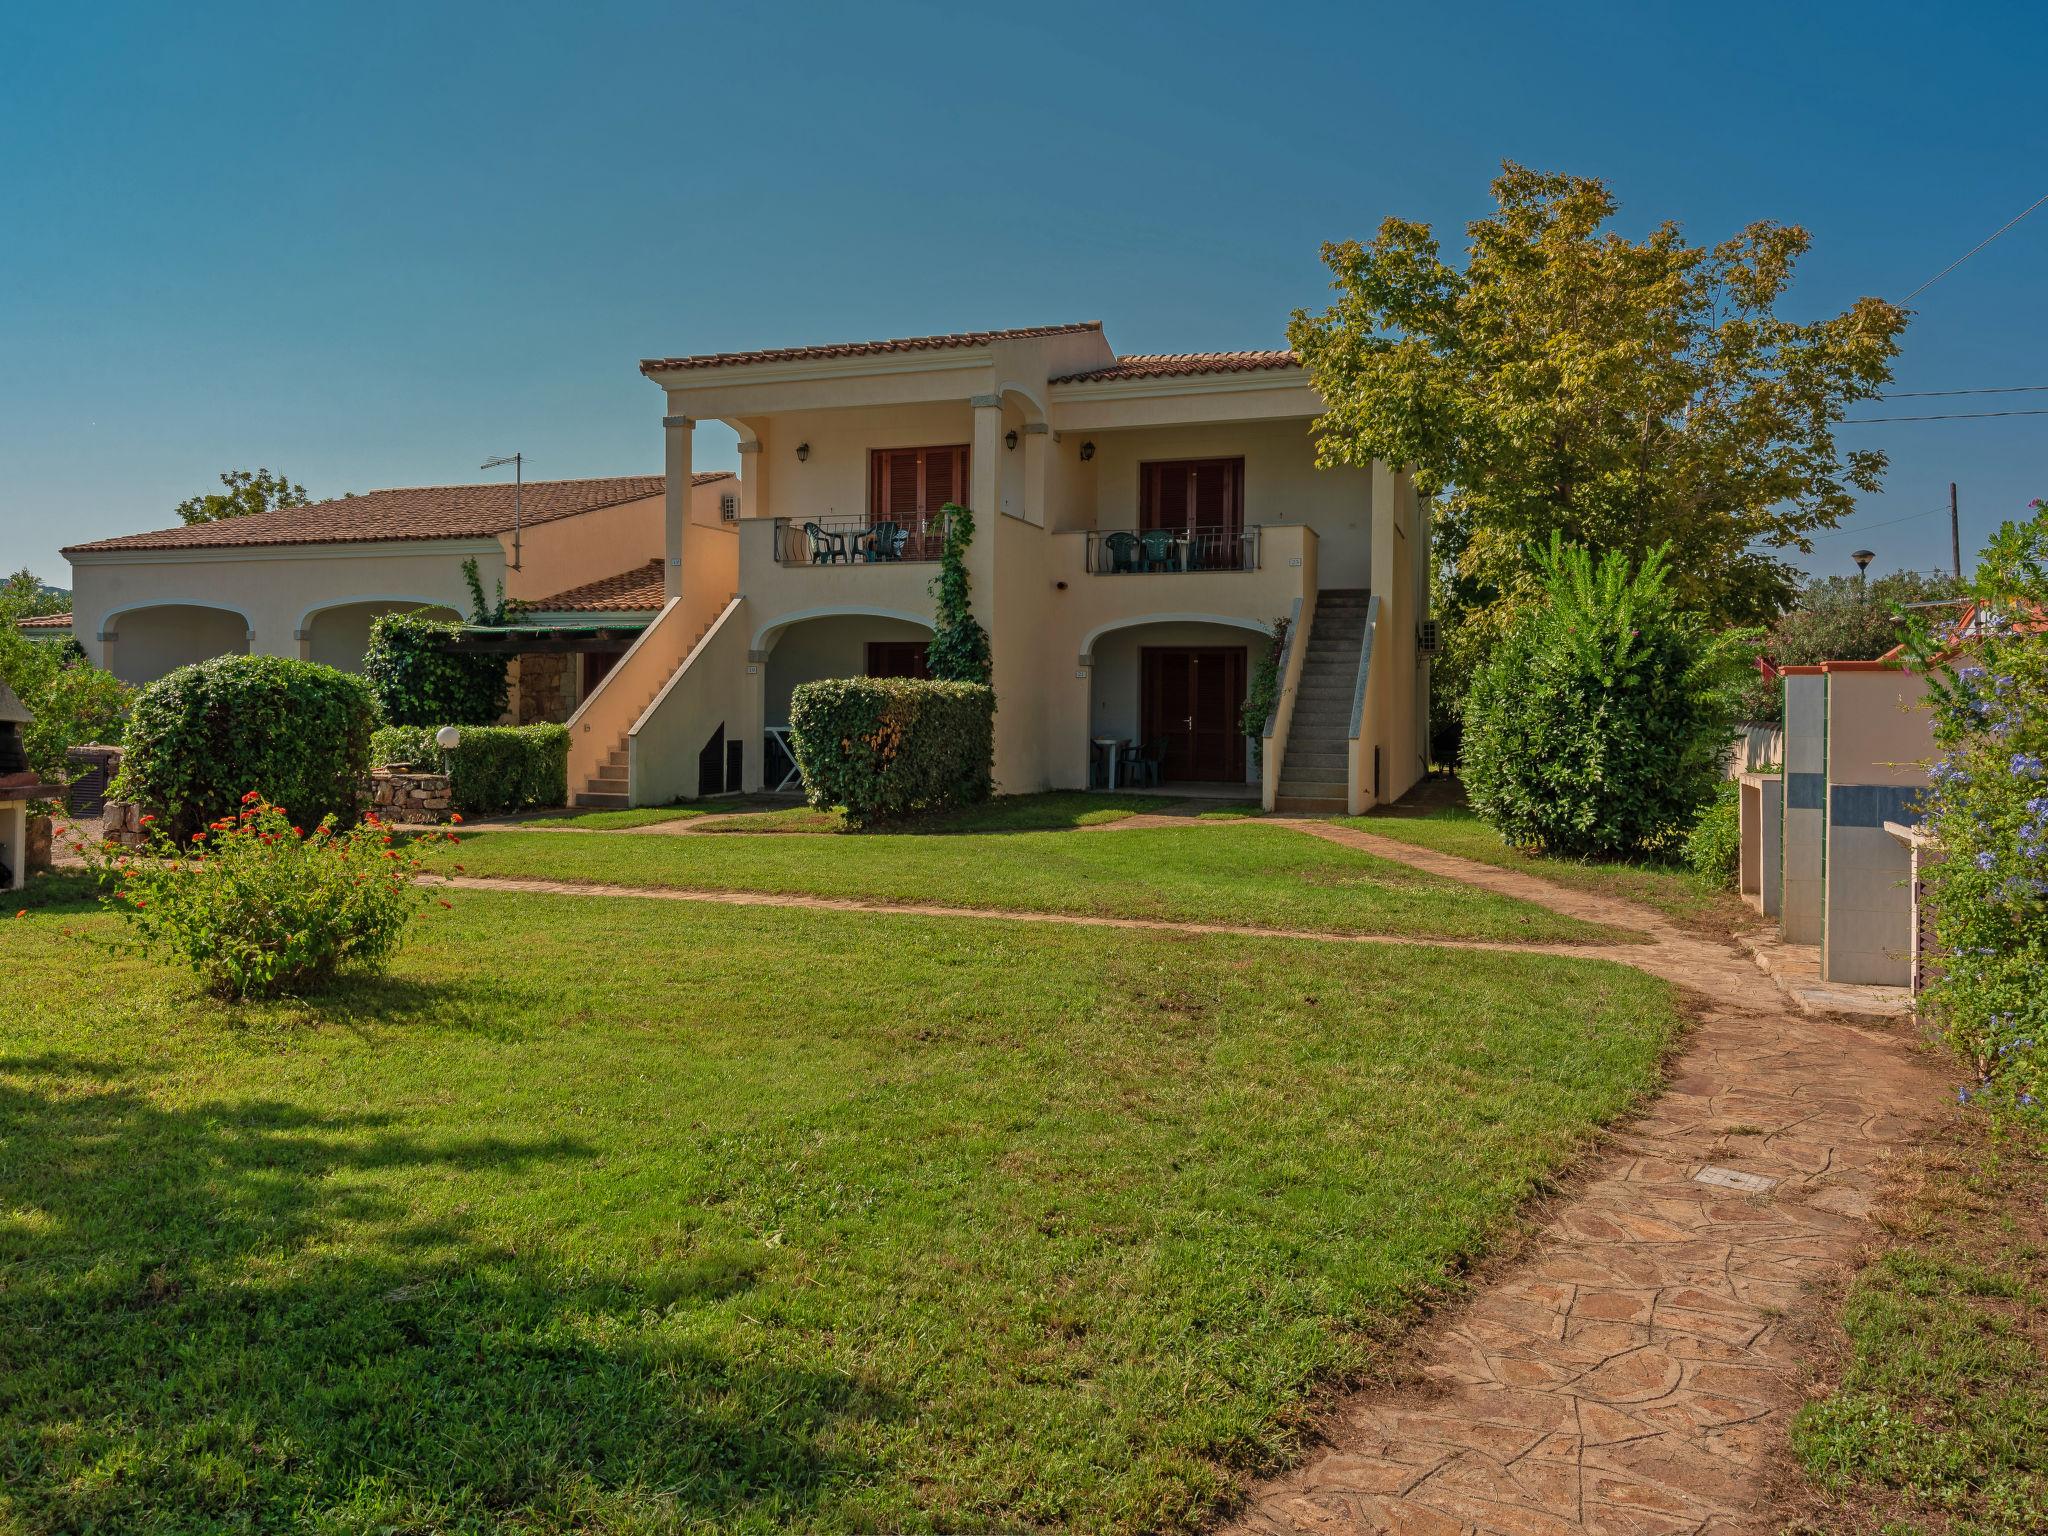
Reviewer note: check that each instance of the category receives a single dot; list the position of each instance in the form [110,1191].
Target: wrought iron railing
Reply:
[1139,551]
[859,540]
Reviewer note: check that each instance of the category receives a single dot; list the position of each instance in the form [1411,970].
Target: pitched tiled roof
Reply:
[1174,365]
[862,348]
[629,591]
[45,621]
[418,512]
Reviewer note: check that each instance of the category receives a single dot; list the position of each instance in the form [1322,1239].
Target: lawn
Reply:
[1240,873]
[636,1217]
[1933,1411]
[621,820]
[1671,889]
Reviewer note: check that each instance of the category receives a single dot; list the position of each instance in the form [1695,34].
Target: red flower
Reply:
[24,911]
[251,797]
[147,820]
[456,817]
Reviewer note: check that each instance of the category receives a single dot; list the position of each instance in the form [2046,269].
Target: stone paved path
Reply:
[1633,1371]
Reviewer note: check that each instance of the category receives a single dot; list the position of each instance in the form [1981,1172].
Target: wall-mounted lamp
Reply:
[803,452]
[1010,438]
[1087,452]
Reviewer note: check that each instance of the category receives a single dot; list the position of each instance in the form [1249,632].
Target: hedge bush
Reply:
[889,747]
[1600,723]
[497,767]
[294,732]
[1713,848]
[419,682]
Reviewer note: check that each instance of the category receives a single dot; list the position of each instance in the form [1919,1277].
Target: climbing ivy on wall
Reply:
[959,651]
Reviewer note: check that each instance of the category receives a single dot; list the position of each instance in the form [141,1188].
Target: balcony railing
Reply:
[1139,551]
[859,540]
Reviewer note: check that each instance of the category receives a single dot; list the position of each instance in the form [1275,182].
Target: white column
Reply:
[680,432]
[753,463]
[984,474]
[1037,448]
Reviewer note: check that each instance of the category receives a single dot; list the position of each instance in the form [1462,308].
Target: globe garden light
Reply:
[447,738]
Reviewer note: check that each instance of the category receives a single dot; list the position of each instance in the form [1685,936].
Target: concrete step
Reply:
[1310,805]
[595,801]
[612,772]
[616,755]
[1315,761]
[1323,721]
[1317,789]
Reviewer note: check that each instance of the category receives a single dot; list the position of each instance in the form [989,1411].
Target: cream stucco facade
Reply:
[1059,448]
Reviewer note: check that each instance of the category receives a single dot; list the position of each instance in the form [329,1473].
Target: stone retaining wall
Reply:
[408,797]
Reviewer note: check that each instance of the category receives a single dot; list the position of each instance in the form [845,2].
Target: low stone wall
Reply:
[121,823]
[39,841]
[407,797]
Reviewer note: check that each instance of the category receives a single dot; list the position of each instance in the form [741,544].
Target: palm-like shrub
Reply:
[1600,723]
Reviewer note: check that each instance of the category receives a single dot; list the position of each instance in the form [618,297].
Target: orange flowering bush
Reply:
[259,906]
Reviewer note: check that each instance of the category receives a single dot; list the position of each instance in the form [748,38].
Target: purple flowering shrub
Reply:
[1989,807]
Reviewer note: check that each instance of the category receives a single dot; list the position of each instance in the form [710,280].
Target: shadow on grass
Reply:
[57,890]
[252,1315]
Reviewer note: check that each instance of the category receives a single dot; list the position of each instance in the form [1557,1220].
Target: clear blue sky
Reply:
[373,244]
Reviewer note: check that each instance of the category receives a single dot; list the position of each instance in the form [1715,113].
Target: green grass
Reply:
[607,1215]
[1937,1414]
[1250,874]
[615,821]
[1053,811]
[1671,889]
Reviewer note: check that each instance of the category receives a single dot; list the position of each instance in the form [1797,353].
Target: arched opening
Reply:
[340,636]
[1166,702]
[152,641]
[830,645]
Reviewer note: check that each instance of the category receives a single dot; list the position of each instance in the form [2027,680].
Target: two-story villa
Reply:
[1143,526]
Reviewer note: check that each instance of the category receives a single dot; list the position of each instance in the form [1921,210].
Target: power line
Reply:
[1864,421]
[1857,533]
[1929,394]
[1973,250]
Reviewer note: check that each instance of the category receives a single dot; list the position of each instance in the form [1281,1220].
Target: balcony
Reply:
[911,538]
[1153,551]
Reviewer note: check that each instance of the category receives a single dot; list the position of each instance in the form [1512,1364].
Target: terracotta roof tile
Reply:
[629,591]
[417,512]
[862,348]
[45,621]
[1174,365]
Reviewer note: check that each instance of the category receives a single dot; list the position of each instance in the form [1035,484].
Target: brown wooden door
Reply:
[911,486]
[898,658]
[1192,698]
[1203,501]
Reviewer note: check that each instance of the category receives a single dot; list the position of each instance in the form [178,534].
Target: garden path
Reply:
[1631,1372]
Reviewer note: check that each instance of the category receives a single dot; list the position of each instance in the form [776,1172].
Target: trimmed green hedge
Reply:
[889,747]
[418,682]
[497,767]
[202,737]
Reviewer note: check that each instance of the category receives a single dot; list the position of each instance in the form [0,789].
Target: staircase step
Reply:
[592,800]
[1310,805]
[612,772]
[1320,789]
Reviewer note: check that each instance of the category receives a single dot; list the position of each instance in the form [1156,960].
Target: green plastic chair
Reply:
[1159,551]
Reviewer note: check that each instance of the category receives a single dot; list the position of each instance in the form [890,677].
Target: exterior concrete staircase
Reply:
[1315,768]
[612,788]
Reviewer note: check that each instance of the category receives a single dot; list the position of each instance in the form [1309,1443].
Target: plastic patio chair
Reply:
[886,541]
[826,548]
[1158,546]
[1122,549]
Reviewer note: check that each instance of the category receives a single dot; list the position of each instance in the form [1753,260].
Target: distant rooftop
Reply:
[628,592]
[416,512]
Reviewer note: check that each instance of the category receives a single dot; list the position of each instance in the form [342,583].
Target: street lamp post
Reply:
[1863,557]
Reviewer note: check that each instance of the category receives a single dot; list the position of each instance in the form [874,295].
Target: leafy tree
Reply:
[23,596]
[1840,618]
[72,701]
[1599,724]
[248,491]
[1623,394]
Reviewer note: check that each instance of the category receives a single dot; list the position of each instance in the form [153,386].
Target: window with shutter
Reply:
[907,484]
[1192,493]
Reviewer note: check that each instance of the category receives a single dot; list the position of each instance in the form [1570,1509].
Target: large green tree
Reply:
[23,596]
[248,490]
[1623,394]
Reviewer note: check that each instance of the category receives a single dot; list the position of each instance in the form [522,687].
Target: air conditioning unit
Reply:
[1426,637]
[729,507]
